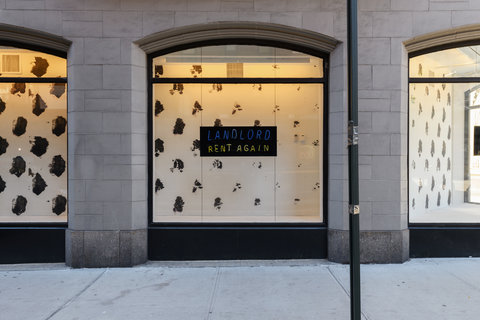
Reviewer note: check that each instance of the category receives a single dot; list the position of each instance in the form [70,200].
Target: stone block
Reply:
[337,122]
[86,221]
[117,172]
[398,144]
[133,247]
[387,122]
[254,16]
[449,5]
[373,105]
[81,28]
[76,53]
[392,24]
[374,144]
[460,18]
[188,18]
[117,77]
[388,222]
[25,4]
[139,122]
[85,76]
[102,50]
[117,122]
[271,5]
[84,122]
[102,5]
[64,4]
[387,77]
[386,168]
[337,144]
[122,24]
[139,190]
[77,190]
[213,16]
[340,26]
[425,22]
[398,53]
[365,122]
[410,5]
[98,190]
[365,77]
[117,215]
[102,144]
[86,167]
[392,208]
[365,172]
[321,22]
[365,24]
[82,16]
[74,255]
[375,246]
[338,214]
[337,189]
[101,248]
[380,190]
[103,104]
[49,21]
[373,5]
[76,100]
[139,214]
[205,5]
[157,21]
[374,51]
[245,5]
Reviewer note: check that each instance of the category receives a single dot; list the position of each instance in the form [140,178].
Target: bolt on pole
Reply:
[354,208]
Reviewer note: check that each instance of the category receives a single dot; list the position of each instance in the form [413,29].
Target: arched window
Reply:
[33,137]
[444,136]
[231,90]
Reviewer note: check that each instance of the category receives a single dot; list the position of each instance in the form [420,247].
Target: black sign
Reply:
[238,141]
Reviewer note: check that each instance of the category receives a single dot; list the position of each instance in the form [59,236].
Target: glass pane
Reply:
[33,152]
[444,181]
[286,188]
[450,63]
[25,63]
[237,61]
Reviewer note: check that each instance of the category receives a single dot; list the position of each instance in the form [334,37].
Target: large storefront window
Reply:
[33,137]
[444,137]
[237,86]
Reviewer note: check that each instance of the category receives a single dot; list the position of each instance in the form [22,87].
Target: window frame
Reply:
[33,79]
[151,80]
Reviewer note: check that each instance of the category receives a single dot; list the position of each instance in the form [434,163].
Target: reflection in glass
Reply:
[24,63]
[237,61]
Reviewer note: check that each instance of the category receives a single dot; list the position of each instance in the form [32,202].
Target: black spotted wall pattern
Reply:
[259,189]
[430,153]
[33,150]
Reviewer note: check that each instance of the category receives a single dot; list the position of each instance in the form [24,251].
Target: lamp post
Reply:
[353,202]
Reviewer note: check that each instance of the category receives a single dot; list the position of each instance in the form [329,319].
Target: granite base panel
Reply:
[375,246]
[96,249]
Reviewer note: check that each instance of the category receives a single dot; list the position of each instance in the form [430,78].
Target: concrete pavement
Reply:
[311,289]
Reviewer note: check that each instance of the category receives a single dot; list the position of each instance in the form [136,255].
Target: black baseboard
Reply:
[442,242]
[32,245]
[232,243]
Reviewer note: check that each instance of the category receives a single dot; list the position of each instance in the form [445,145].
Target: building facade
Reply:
[174,130]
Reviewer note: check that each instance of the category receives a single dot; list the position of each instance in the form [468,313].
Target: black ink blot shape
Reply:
[449,99]
[449,164]
[38,184]
[420,109]
[439,130]
[177,87]
[444,182]
[18,166]
[257,202]
[59,204]
[444,86]
[420,69]
[179,126]
[3,185]
[196,185]
[3,145]
[58,126]
[316,186]
[217,87]
[444,115]
[296,200]
[177,164]
[433,112]
[438,164]
[413,203]
[3,106]
[238,186]
[444,148]
[256,123]
[217,164]
[19,205]
[426,128]
[217,204]
[57,89]
[30,93]
[30,172]
[449,197]
[296,123]
[18,88]
[39,67]
[39,105]
[426,202]
[420,185]
[195,145]
[438,199]
[316,143]
[433,184]
[19,126]
[426,165]
[158,108]
[218,123]
[413,123]
[178,205]
[413,164]
[196,108]
[158,70]
[438,95]
[236,107]
[432,148]
[449,132]
[158,185]
[427,92]
[276,108]
[159,148]
[196,69]
[57,167]
[39,146]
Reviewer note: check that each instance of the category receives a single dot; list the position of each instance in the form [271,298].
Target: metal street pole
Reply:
[353,208]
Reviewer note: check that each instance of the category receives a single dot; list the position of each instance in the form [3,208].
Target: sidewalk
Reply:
[419,289]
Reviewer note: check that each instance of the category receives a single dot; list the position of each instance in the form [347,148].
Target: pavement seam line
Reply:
[66,304]
[214,292]
[345,290]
